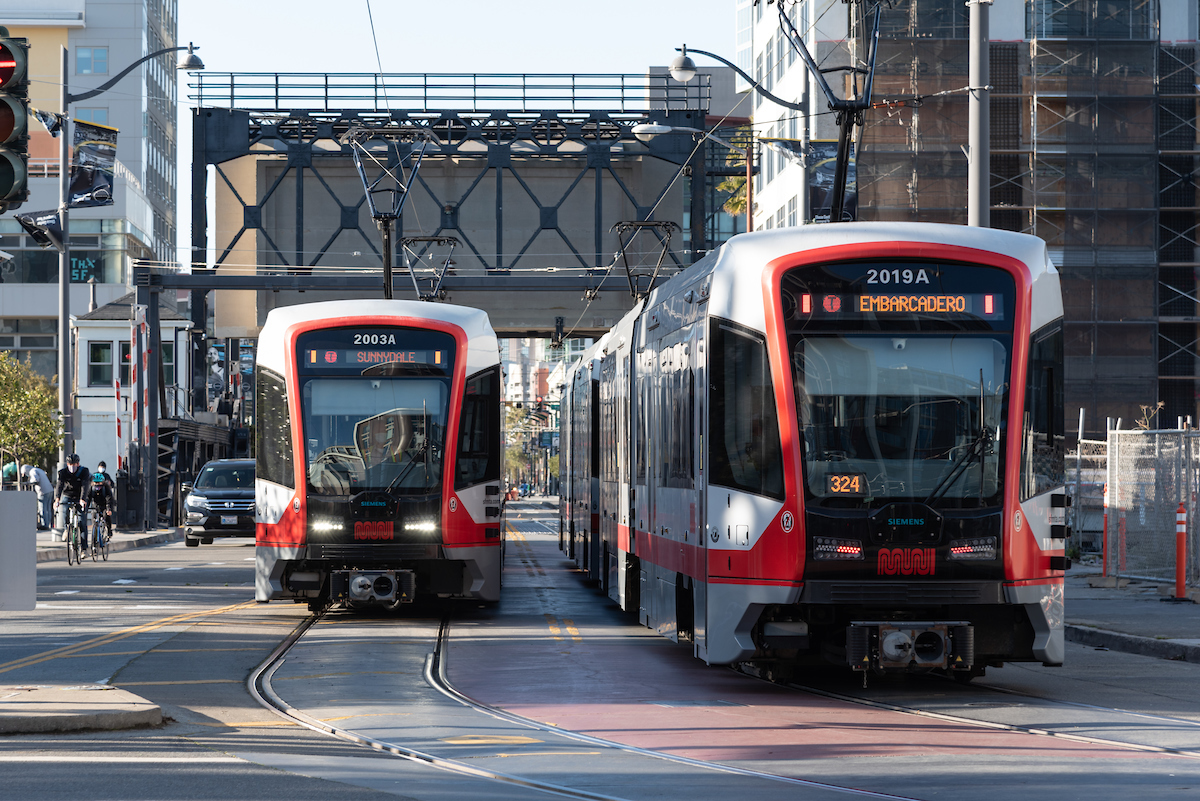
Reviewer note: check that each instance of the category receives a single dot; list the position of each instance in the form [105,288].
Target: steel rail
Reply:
[1011,727]
[259,685]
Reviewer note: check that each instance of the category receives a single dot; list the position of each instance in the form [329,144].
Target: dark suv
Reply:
[221,502]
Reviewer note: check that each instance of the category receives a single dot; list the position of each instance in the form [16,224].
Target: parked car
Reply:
[220,503]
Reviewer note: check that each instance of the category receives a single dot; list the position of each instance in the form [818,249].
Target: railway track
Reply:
[261,687]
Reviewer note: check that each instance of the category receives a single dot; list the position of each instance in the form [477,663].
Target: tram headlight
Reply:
[974,548]
[323,525]
[421,526]
[833,548]
[196,501]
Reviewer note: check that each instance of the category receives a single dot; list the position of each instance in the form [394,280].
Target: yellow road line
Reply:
[574,632]
[552,622]
[105,639]
[490,739]
[167,683]
[266,724]
[158,651]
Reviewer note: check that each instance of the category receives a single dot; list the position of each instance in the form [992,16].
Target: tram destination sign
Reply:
[835,304]
[375,350]
[365,357]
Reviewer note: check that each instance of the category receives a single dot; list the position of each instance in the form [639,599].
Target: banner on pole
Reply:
[43,227]
[93,162]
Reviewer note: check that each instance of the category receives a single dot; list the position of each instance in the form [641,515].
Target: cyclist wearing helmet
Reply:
[72,480]
[100,492]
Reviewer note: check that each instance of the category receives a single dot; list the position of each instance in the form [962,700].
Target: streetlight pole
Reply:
[849,111]
[66,373]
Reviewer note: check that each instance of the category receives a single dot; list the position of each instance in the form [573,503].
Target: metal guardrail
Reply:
[447,91]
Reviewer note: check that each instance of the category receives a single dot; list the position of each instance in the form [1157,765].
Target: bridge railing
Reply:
[447,91]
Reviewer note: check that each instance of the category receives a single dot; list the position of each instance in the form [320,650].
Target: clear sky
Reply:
[463,36]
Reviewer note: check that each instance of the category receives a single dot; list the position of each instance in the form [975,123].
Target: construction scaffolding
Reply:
[1093,148]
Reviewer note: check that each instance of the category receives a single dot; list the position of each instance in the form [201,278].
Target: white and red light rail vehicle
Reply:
[832,443]
[377,427]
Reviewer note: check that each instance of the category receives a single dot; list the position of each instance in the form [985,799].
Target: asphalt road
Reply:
[177,626]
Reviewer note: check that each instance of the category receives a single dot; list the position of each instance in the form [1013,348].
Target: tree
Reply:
[30,428]
[735,186]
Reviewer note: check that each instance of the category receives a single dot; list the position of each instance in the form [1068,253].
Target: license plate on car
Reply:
[228,520]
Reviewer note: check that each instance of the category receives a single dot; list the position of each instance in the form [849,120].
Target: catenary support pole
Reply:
[979,122]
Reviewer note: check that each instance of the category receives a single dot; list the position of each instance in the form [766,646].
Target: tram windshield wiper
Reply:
[978,447]
[423,454]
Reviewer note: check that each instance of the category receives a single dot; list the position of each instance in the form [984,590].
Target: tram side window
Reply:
[478,457]
[1042,443]
[745,451]
[595,407]
[273,461]
[640,432]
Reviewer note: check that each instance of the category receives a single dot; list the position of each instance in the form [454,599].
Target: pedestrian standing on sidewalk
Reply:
[42,486]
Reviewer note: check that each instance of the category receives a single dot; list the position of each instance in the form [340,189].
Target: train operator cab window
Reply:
[902,416]
[745,451]
[478,431]
[374,433]
[274,458]
[1042,435]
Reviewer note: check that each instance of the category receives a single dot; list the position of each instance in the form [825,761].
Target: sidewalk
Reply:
[51,550]
[1131,618]
[34,708]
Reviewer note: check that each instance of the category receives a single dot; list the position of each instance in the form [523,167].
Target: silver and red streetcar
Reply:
[378,453]
[832,443]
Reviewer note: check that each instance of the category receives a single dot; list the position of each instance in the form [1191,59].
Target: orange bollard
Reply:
[1181,552]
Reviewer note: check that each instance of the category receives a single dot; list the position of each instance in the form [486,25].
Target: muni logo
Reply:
[373,530]
[905,562]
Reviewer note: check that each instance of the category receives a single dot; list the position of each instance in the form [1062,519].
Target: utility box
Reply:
[18,551]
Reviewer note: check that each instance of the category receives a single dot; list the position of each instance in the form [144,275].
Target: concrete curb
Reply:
[33,709]
[60,552]
[1132,644]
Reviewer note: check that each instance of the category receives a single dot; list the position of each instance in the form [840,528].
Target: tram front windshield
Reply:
[901,390]
[374,417]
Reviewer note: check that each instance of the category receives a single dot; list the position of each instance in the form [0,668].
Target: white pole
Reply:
[979,121]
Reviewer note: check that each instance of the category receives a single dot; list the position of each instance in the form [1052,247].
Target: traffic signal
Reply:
[14,121]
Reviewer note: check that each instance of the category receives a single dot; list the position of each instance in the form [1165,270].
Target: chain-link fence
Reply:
[1148,474]
[1087,475]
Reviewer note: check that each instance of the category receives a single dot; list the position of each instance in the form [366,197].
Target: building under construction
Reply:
[1093,148]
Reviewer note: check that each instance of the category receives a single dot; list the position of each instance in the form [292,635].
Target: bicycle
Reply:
[74,555]
[101,535]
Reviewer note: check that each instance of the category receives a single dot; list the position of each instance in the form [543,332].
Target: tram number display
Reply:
[846,483]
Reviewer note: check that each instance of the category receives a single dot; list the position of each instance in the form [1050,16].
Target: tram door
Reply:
[698,362]
[677,537]
[642,507]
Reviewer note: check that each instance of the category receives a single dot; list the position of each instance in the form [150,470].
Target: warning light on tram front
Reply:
[331,356]
[989,306]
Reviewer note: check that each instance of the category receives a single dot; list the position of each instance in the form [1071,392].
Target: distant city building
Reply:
[102,37]
[1093,148]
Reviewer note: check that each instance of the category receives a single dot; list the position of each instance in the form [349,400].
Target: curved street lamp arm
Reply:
[757,86]
[113,81]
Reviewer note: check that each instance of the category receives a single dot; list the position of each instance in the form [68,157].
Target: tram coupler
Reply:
[374,586]
[902,644]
